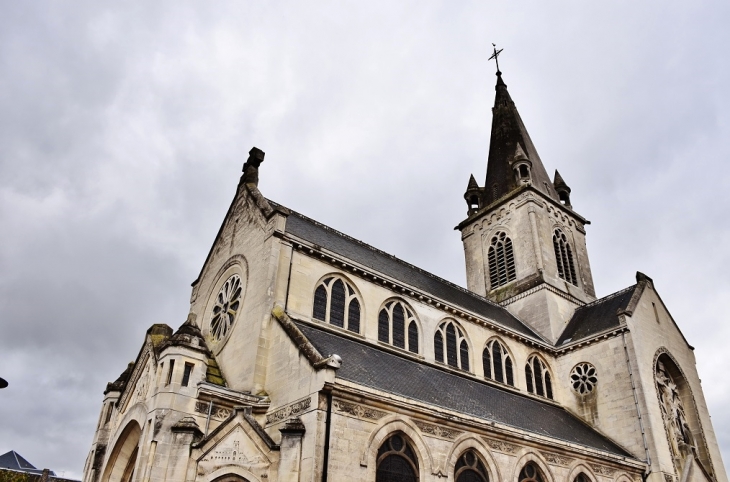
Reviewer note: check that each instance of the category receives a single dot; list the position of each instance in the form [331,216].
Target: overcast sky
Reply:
[124,126]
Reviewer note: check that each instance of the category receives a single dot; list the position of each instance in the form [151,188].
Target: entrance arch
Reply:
[122,460]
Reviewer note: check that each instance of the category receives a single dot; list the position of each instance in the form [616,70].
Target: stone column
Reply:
[184,433]
[291,450]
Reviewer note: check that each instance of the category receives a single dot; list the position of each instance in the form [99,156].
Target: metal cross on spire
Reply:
[495,56]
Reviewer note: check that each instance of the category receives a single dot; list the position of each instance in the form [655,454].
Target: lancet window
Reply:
[397,326]
[469,468]
[581,478]
[397,462]
[564,257]
[501,260]
[450,345]
[498,363]
[335,302]
[531,473]
[538,377]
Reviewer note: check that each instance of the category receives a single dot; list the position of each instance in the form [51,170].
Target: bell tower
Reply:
[524,244]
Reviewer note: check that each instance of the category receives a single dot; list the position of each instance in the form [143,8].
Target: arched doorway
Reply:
[123,458]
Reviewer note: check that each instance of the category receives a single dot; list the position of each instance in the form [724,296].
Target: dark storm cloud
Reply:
[123,129]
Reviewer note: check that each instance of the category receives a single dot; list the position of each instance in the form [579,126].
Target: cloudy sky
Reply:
[123,128]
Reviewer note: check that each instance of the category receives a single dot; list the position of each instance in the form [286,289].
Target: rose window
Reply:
[583,378]
[227,305]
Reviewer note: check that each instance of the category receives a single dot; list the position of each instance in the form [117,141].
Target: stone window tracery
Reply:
[450,345]
[397,326]
[336,303]
[469,468]
[538,377]
[397,462]
[564,257]
[583,378]
[226,308]
[501,260]
[498,363]
[531,473]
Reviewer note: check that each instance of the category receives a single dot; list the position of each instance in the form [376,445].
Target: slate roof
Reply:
[13,460]
[373,367]
[597,316]
[364,254]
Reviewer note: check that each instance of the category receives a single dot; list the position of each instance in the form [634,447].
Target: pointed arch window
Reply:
[450,345]
[397,462]
[498,363]
[335,302]
[397,326]
[501,260]
[469,468]
[581,478]
[538,377]
[531,473]
[564,257]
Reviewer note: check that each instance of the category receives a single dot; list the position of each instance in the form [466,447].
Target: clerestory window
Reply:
[501,260]
[335,302]
[450,345]
[538,377]
[469,468]
[498,363]
[397,326]
[531,473]
[564,257]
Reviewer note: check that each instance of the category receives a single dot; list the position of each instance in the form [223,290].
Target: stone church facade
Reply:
[311,356]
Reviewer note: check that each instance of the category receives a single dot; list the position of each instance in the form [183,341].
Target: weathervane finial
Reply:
[495,56]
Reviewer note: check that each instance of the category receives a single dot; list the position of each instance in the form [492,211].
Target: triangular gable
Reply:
[240,441]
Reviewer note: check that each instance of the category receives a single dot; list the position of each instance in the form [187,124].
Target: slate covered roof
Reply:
[13,460]
[373,367]
[597,316]
[364,254]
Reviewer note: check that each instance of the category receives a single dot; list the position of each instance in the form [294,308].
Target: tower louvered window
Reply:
[498,363]
[501,260]
[397,326]
[335,302]
[538,377]
[450,346]
[397,462]
[469,468]
[564,257]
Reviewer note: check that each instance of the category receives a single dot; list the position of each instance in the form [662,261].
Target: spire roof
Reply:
[472,184]
[558,181]
[510,138]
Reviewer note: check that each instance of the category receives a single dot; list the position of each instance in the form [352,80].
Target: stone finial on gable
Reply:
[251,166]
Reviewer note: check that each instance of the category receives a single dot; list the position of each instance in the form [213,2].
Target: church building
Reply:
[308,355]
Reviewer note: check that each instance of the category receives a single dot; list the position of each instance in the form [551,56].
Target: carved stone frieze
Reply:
[437,431]
[501,446]
[556,459]
[359,411]
[602,470]
[290,410]
[216,412]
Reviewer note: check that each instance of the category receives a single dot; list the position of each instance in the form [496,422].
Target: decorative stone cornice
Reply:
[359,411]
[501,445]
[291,410]
[437,430]
[557,459]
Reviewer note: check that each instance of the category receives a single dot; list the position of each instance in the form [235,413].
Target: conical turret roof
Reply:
[509,136]
[559,182]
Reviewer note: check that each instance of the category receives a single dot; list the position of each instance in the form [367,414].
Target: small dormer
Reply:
[521,166]
[473,196]
[563,190]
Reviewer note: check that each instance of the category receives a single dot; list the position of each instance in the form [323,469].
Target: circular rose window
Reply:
[583,378]
[225,310]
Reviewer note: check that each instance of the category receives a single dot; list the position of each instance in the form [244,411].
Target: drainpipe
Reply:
[647,471]
[327,428]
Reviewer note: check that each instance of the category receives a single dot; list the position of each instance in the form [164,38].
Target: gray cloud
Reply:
[123,129]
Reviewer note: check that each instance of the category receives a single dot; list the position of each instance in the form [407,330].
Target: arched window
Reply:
[538,377]
[397,461]
[501,260]
[531,473]
[335,302]
[564,257]
[469,468]
[581,478]
[498,363]
[450,345]
[397,326]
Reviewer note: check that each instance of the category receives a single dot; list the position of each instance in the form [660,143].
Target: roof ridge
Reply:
[607,297]
[395,258]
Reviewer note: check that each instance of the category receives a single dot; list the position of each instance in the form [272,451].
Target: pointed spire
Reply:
[472,184]
[508,140]
[519,154]
[562,189]
[473,196]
